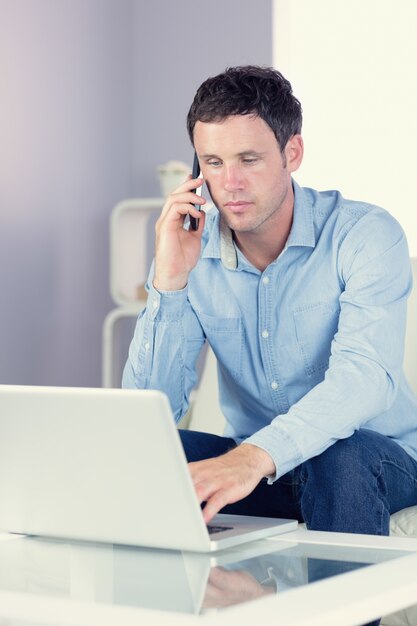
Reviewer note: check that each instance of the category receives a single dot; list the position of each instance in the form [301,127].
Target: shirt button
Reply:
[274,385]
[265,334]
[265,280]
[155,304]
[147,346]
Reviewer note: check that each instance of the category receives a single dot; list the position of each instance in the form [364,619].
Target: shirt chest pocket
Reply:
[315,326]
[225,336]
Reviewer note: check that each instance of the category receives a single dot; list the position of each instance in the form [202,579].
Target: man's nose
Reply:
[233,180]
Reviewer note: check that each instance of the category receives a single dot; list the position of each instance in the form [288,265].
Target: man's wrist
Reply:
[169,285]
[259,459]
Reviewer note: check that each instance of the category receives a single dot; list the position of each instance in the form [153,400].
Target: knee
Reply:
[347,458]
[342,488]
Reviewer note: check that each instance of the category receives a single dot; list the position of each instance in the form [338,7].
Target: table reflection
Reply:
[164,579]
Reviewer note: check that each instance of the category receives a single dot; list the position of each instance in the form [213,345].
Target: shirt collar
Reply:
[220,244]
[302,229]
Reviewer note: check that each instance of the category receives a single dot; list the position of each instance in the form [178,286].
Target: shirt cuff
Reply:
[168,305]
[280,447]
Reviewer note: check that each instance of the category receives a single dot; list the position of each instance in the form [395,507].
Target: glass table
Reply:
[301,578]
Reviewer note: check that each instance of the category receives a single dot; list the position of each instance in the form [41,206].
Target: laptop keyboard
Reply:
[217,529]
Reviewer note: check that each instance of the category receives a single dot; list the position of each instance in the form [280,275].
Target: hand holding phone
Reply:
[195,174]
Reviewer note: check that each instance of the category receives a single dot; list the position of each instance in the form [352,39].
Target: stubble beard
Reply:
[257,223]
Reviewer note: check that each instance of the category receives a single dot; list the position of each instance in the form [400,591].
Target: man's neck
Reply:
[264,246]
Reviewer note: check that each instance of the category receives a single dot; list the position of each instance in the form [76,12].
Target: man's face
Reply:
[248,177]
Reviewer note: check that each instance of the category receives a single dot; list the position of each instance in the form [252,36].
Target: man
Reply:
[302,296]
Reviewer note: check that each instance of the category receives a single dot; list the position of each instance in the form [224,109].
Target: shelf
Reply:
[132,247]
[132,242]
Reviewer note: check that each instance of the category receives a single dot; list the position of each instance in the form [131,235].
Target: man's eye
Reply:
[250,161]
[215,163]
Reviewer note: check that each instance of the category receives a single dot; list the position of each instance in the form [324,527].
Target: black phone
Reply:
[195,174]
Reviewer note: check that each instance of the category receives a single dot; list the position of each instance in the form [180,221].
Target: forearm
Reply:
[168,336]
[164,349]
[333,410]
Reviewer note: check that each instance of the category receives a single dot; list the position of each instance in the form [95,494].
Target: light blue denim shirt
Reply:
[309,350]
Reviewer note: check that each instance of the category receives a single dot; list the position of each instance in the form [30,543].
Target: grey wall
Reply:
[177,45]
[94,95]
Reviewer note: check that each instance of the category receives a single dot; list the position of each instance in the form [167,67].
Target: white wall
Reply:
[353,66]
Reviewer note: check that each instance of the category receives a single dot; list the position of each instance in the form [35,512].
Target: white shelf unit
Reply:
[131,250]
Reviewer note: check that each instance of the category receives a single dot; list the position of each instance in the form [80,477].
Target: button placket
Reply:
[269,358]
[154,307]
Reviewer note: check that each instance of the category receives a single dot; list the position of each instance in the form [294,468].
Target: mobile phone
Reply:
[195,174]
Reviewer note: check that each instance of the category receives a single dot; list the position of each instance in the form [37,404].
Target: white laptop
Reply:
[105,465]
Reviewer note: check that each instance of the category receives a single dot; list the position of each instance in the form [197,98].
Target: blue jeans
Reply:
[353,486]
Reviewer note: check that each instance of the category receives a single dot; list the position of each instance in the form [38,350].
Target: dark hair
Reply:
[245,90]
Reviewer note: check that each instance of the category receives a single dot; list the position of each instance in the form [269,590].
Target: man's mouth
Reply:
[237,206]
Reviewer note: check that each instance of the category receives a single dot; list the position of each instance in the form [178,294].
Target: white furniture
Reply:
[131,250]
[80,583]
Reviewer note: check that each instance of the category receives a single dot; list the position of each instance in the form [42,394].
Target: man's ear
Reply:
[294,151]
